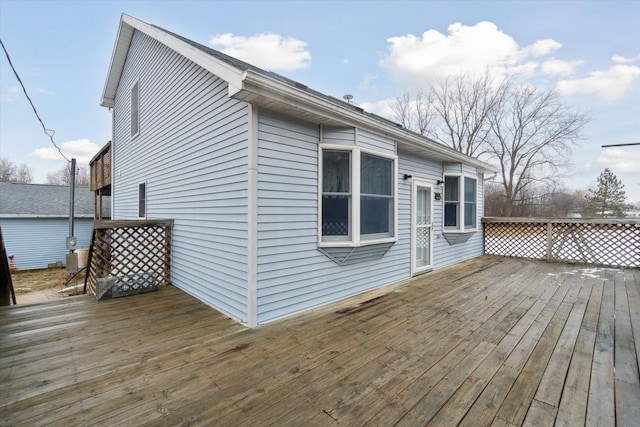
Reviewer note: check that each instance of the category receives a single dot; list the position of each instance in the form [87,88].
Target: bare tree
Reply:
[463,105]
[532,134]
[547,200]
[455,111]
[12,172]
[493,199]
[63,176]
[417,114]
[526,131]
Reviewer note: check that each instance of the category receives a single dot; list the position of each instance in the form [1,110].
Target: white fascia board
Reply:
[257,83]
[118,57]
[227,72]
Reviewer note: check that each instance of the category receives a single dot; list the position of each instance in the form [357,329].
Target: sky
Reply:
[588,51]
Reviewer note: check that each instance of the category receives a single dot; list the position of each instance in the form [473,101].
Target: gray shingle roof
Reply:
[241,65]
[40,199]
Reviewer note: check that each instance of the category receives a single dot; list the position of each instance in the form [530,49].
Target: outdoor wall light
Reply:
[406,177]
[438,182]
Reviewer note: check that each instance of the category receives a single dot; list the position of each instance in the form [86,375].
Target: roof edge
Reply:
[258,83]
[126,30]
[242,82]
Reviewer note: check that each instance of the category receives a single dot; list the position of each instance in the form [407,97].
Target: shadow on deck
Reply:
[490,341]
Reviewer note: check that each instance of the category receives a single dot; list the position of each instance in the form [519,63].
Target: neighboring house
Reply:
[35,222]
[283,198]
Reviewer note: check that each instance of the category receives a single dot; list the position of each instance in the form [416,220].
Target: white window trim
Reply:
[135,135]
[460,228]
[356,240]
[146,200]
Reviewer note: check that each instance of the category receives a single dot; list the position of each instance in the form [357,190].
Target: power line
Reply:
[621,145]
[48,132]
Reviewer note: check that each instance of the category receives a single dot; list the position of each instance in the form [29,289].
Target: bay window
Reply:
[460,203]
[358,196]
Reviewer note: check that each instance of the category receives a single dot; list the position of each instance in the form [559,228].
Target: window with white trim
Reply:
[376,197]
[135,109]
[470,203]
[336,195]
[358,196]
[460,203]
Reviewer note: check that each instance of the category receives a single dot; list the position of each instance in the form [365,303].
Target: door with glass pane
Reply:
[422,225]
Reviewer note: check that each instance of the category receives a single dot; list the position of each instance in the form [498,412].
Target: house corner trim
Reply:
[252,217]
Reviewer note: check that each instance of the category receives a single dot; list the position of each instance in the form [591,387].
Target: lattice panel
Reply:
[131,255]
[602,244]
[615,243]
[517,239]
[422,237]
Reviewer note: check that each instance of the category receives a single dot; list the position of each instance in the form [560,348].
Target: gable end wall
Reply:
[192,154]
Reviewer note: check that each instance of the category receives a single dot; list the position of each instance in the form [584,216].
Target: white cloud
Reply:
[81,149]
[13,93]
[346,61]
[415,60]
[527,69]
[368,83]
[558,67]
[609,85]
[267,50]
[621,160]
[543,47]
[30,89]
[619,59]
[381,108]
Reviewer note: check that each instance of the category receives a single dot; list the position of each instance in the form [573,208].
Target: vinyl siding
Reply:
[36,242]
[444,254]
[430,171]
[340,136]
[293,275]
[191,152]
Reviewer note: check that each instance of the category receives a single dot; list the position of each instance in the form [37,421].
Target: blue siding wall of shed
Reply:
[36,242]
[293,275]
[192,153]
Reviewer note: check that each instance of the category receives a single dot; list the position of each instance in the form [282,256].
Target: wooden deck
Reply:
[494,341]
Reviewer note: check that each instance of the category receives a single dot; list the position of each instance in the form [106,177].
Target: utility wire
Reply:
[621,145]
[48,132]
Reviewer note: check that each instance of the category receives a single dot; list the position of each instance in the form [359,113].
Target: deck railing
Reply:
[100,169]
[129,256]
[607,242]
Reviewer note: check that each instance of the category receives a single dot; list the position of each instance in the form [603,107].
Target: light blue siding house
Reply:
[283,198]
[35,222]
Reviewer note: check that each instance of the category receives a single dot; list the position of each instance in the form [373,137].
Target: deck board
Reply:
[493,341]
